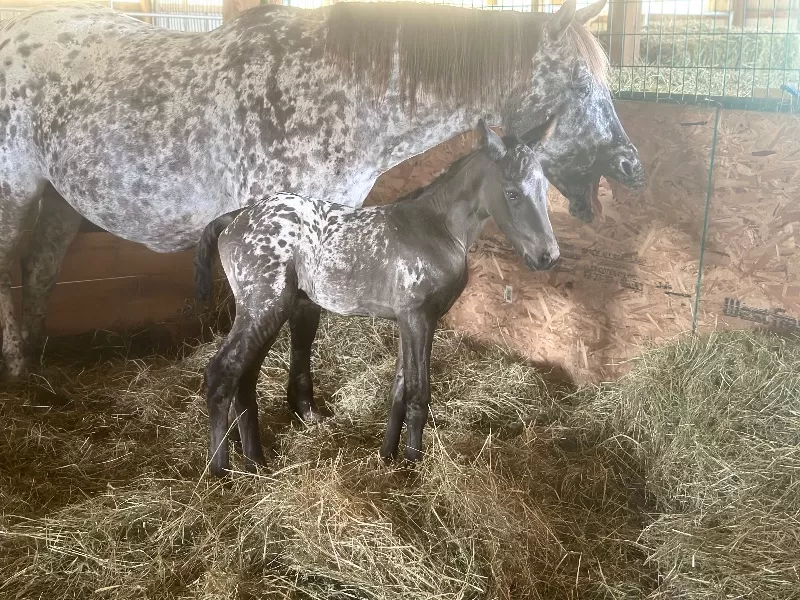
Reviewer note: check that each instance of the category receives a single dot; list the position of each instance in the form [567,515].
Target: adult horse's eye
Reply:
[512,195]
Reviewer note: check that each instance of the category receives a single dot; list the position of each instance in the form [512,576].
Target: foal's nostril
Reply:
[626,167]
[547,260]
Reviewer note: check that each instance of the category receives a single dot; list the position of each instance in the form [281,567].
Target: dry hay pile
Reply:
[527,491]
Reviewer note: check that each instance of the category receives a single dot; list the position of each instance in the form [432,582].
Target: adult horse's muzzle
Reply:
[627,169]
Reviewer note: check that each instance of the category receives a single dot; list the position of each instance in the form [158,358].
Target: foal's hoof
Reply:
[310,416]
[413,455]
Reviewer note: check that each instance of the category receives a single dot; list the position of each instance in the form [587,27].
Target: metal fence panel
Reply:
[734,53]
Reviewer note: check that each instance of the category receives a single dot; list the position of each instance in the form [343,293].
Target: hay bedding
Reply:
[680,481]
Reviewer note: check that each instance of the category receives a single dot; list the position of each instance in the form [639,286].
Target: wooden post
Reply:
[738,11]
[624,23]
[146,6]
[233,8]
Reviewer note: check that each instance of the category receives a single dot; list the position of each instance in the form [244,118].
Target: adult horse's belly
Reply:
[171,220]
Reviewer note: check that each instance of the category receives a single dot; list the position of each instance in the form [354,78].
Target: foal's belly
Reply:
[348,299]
[383,294]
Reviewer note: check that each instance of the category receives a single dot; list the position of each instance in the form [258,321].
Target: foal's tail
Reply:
[203,257]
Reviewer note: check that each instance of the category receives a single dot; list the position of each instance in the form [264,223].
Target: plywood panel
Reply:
[100,255]
[751,277]
[115,304]
[625,280]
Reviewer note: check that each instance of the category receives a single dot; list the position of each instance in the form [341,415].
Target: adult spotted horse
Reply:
[152,134]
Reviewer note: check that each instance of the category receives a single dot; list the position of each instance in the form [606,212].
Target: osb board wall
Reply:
[629,278]
[751,277]
[108,283]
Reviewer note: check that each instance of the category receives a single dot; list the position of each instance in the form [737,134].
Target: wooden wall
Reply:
[109,283]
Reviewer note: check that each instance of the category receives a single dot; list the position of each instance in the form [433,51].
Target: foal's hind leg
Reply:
[252,334]
[55,228]
[246,410]
[300,390]
[14,206]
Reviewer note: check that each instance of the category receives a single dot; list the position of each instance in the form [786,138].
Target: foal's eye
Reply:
[512,196]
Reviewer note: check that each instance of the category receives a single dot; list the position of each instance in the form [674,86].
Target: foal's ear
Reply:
[587,13]
[491,141]
[558,23]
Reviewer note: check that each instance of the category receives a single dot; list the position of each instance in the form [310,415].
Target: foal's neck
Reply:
[457,201]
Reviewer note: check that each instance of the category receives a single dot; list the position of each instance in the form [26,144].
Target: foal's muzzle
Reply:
[543,262]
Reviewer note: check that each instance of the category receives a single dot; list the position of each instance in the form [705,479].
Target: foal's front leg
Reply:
[416,338]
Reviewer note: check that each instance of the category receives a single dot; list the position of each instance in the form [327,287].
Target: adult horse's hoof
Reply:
[14,373]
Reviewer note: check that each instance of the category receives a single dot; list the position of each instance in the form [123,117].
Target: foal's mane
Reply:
[449,52]
[449,173]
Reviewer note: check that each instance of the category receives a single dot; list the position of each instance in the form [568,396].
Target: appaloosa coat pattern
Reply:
[152,134]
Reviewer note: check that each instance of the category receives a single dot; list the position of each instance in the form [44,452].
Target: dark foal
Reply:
[288,252]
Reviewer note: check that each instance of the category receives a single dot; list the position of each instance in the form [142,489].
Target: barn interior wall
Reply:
[630,278]
[625,280]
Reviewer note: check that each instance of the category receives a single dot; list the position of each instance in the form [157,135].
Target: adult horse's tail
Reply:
[203,257]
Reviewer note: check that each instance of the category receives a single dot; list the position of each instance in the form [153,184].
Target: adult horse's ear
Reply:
[558,23]
[540,134]
[587,13]
[491,141]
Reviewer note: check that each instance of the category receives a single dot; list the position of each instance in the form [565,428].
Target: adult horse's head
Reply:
[589,142]
[569,78]
[519,203]
[446,64]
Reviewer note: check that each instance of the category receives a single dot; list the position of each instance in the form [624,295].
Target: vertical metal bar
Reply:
[725,65]
[672,49]
[771,39]
[755,54]
[684,66]
[647,46]
[712,64]
[699,49]
[709,194]
[659,56]
[740,60]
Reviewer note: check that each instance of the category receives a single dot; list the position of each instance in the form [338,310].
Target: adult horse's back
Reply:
[151,134]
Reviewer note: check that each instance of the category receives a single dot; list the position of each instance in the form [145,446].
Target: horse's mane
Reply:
[451,171]
[450,52]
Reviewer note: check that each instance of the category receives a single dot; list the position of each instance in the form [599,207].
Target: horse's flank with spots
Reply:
[151,134]
[288,251]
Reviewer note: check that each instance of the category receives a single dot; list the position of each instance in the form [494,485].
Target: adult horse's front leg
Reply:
[14,206]
[304,323]
[55,229]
